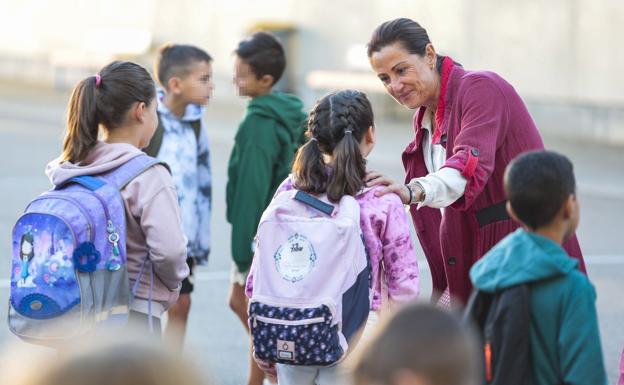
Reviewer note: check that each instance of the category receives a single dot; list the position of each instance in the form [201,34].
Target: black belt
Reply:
[494,213]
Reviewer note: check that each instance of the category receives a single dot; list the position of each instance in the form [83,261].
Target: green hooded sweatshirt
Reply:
[264,147]
[565,340]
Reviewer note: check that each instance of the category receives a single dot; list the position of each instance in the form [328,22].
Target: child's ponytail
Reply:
[309,169]
[82,121]
[337,124]
[349,168]
[103,99]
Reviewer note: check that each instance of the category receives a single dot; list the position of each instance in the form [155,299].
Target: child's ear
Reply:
[570,207]
[267,81]
[140,109]
[370,135]
[511,212]
[173,85]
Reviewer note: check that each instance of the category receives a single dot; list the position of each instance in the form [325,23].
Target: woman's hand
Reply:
[374,178]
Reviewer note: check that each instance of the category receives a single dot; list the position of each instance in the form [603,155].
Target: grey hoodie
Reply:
[153,221]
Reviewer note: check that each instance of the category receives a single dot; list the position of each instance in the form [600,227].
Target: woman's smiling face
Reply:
[411,79]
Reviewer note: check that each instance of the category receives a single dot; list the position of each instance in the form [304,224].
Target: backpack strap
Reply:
[196,124]
[155,143]
[87,181]
[313,202]
[124,174]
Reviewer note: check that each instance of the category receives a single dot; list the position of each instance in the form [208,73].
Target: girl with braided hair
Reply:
[333,161]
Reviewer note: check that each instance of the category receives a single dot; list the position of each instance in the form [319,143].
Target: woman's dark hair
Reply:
[336,126]
[103,101]
[264,54]
[537,184]
[176,60]
[424,340]
[27,237]
[409,33]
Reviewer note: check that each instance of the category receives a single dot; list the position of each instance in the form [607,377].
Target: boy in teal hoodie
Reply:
[564,336]
[264,147]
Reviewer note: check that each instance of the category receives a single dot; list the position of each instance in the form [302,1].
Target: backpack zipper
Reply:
[73,201]
[488,361]
[277,321]
[262,300]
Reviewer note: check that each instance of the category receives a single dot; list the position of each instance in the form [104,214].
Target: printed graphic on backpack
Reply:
[44,245]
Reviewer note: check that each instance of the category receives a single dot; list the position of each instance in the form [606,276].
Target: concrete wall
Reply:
[562,56]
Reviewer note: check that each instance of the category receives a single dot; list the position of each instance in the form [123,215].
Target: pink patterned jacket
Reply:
[385,227]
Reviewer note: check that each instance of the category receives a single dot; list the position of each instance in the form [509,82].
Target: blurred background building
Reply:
[563,56]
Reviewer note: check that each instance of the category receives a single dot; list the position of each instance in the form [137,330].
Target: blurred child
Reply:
[131,362]
[185,74]
[419,345]
[121,101]
[564,340]
[264,148]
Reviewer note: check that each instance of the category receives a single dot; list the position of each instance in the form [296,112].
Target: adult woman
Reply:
[468,126]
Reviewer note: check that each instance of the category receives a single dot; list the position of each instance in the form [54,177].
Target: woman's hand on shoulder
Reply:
[374,178]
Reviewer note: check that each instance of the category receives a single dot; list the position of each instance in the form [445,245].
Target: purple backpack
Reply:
[68,273]
[311,280]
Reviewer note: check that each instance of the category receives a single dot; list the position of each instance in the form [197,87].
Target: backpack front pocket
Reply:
[295,336]
[43,280]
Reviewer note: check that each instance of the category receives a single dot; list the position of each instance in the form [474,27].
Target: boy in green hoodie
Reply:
[264,147]
[564,336]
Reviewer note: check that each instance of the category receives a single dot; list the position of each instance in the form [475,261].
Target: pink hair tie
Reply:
[98,80]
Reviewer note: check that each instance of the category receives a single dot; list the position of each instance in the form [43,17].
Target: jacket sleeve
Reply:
[399,259]
[201,250]
[255,173]
[484,121]
[580,352]
[162,225]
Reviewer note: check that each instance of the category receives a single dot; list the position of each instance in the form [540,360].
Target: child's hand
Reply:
[265,366]
[374,178]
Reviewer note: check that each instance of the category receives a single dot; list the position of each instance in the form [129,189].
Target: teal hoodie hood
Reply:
[285,109]
[521,257]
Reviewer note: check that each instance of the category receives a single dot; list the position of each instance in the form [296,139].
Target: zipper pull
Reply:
[255,323]
[113,237]
[488,361]
[113,263]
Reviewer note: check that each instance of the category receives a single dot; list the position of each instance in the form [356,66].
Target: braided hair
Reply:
[336,126]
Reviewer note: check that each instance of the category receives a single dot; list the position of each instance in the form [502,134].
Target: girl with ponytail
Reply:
[111,116]
[333,161]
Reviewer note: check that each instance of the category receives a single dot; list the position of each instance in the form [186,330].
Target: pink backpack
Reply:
[311,280]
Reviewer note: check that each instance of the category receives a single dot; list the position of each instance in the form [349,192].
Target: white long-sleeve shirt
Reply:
[442,186]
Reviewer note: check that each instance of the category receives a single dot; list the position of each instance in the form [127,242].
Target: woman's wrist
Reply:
[417,192]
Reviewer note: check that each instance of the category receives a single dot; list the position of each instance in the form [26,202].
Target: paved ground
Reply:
[31,125]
